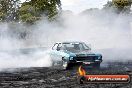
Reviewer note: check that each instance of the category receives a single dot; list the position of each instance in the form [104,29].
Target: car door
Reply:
[56,54]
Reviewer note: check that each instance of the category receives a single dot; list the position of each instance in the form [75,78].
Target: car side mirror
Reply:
[58,48]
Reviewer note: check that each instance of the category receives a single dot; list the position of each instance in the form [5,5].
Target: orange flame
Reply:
[81,71]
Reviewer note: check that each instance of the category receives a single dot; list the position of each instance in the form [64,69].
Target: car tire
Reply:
[81,79]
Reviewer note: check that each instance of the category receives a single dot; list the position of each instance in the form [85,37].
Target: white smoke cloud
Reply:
[107,32]
[19,60]
[103,30]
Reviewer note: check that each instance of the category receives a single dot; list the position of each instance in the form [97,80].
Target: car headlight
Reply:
[71,58]
[100,57]
[97,60]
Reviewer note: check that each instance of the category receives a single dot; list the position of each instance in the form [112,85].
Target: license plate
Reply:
[86,62]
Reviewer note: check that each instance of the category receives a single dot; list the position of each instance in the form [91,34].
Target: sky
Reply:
[79,5]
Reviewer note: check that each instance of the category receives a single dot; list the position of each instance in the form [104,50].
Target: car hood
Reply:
[81,53]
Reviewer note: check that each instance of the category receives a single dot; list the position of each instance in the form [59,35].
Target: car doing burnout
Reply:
[66,54]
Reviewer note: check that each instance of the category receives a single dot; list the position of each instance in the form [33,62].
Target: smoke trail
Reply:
[108,33]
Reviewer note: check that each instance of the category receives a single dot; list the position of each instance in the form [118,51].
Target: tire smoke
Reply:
[108,33]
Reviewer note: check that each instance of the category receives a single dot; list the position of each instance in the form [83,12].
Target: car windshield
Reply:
[75,47]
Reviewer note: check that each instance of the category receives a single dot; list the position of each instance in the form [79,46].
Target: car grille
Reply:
[88,58]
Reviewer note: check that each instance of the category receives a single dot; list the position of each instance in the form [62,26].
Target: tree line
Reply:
[32,10]
[28,11]
[120,6]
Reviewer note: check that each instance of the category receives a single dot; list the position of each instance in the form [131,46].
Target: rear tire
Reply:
[81,79]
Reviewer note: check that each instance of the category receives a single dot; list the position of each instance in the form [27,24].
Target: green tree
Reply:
[3,9]
[31,11]
[9,10]
[27,13]
[122,5]
[119,5]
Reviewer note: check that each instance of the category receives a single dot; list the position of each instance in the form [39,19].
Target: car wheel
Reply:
[81,80]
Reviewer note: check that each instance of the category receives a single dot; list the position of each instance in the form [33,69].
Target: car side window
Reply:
[55,46]
[59,47]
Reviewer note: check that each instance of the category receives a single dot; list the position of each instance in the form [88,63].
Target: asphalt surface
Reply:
[48,77]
